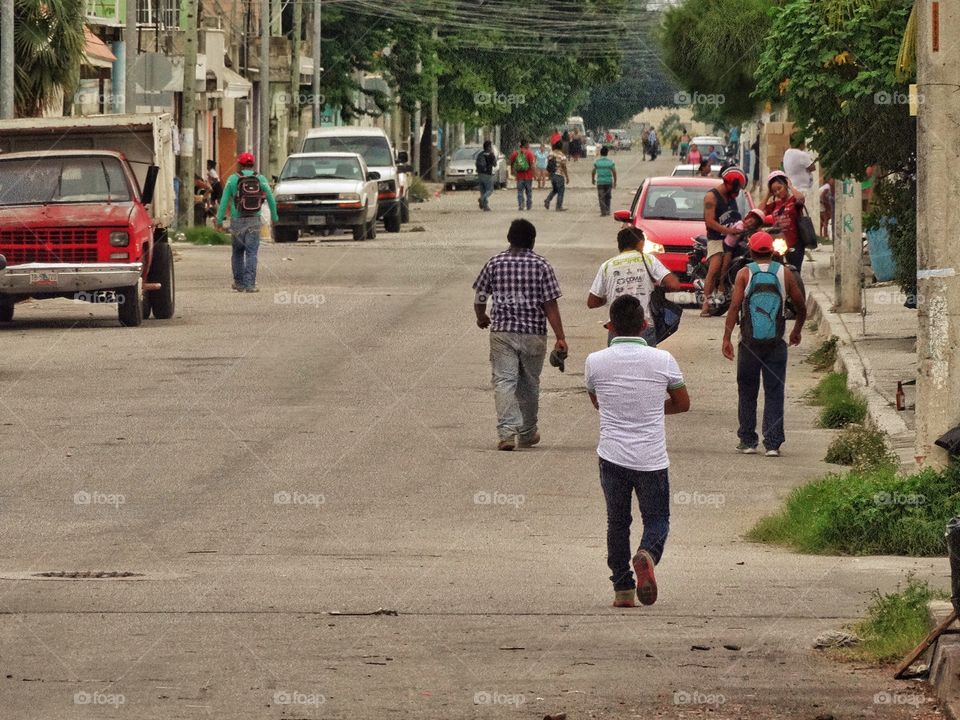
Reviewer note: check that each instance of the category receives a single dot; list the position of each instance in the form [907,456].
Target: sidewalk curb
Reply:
[945,662]
[857,367]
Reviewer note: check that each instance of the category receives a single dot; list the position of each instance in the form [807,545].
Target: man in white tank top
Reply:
[766,361]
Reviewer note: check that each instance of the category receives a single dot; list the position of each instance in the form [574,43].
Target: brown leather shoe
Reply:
[507,444]
[528,441]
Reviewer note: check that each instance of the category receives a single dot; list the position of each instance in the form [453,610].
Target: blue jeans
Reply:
[486,189]
[770,364]
[605,196]
[517,361]
[652,489]
[557,187]
[245,231]
[524,187]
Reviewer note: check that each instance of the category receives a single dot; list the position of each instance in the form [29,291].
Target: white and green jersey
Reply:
[625,274]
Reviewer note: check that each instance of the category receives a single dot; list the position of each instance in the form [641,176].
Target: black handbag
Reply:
[666,313]
[806,233]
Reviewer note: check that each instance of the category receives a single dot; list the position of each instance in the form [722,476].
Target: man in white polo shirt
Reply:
[634,386]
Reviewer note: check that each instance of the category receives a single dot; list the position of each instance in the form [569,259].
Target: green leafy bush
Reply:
[895,622]
[860,447]
[825,356]
[867,512]
[829,388]
[844,411]
[418,191]
[202,235]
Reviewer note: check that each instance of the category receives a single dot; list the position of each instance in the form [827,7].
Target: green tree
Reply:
[712,47]
[48,46]
[838,81]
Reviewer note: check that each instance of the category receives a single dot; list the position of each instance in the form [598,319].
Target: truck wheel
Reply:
[360,232]
[161,301]
[284,234]
[391,220]
[405,211]
[6,311]
[130,305]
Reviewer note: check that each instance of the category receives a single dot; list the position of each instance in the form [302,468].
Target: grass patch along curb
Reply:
[876,511]
[861,447]
[202,235]
[841,405]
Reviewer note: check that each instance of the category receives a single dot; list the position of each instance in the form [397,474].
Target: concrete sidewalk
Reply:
[877,349]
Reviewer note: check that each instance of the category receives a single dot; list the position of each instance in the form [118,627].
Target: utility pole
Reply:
[130,57]
[434,120]
[938,254]
[294,130]
[848,247]
[6,59]
[188,121]
[317,63]
[264,149]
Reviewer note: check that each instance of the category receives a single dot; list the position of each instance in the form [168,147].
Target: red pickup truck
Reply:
[84,208]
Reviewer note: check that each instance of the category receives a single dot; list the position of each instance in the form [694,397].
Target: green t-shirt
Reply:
[604,167]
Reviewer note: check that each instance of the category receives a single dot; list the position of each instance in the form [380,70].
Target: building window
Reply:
[165,13]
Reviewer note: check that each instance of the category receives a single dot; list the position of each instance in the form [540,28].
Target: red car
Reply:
[669,210]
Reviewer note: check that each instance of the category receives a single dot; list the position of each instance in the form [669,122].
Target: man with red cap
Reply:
[720,215]
[759,297]
[245,192]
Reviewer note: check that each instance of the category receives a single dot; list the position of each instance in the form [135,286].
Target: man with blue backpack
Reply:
[759,298]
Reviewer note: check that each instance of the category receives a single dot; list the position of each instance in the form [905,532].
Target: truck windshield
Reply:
[319,168]
[45,180]
[375,150]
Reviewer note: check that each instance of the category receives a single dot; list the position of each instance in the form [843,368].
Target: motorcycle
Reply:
[697,268]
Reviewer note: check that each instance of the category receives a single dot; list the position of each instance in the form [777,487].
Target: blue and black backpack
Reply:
[762,321]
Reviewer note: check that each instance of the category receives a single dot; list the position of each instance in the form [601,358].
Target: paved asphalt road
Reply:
[275,472]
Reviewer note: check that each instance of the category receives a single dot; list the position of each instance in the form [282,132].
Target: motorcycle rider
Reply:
[720,215]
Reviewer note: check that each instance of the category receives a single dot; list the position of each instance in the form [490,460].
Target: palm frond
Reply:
[907,57]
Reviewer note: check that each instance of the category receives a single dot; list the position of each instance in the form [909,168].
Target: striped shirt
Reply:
[518,282]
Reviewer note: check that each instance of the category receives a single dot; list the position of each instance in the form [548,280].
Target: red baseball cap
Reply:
[246,159]
[761,242]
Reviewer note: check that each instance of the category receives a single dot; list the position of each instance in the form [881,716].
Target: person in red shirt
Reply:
[555,138]
[784,205]
[522,168]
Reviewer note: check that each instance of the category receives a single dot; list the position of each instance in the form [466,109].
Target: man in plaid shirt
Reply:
[524,291]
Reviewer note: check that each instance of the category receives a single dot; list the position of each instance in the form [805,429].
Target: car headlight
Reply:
[780,246]
[286,197]
[119,238]
[349,197]
[652,248]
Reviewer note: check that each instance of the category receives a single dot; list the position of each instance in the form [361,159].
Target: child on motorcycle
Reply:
[735,246]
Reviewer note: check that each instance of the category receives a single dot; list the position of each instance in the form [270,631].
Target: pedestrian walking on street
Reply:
[522,168]
[559,177]
[693,156]
[759,299]
[524,291]
[486,164]
[540,156]
[644,143]
[684,144]
[604,176]
[634,386]
[632,272]
[245,193]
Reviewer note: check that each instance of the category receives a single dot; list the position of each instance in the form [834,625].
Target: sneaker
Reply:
[486,209]
[624,598]
[559,209]
[546,204]
[238,288]
[646,582]
[528,441]
[251,289]
[745,449]
[773,453]
[480,203]
[529,206]
[507,444]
